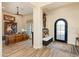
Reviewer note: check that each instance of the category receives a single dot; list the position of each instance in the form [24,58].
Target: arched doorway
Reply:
[61,29]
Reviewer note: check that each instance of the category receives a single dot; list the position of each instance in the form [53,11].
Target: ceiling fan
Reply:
[18,12]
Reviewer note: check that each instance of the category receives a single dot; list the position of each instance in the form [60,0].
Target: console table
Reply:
[9,39]
[76,46]
[76,41]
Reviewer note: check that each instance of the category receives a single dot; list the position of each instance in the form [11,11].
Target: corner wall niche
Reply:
[45,30]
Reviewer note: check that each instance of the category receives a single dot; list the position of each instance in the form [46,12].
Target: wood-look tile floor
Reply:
[24,49]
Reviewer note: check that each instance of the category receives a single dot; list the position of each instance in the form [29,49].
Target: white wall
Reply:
[71,14]
[29,19]
[18,19]
[21,21]
[0,29]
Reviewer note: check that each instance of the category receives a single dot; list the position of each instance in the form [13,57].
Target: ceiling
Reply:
[11,7]
[54,5]
[26,7]
[40,4]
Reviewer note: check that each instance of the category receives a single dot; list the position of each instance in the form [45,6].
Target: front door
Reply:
[61,30]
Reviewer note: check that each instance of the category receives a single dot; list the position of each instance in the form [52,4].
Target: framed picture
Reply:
[9,18]
[10,28]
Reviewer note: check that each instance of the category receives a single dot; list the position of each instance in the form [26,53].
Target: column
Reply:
[37,27]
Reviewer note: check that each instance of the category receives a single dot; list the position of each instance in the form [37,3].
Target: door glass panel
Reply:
[60,30]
